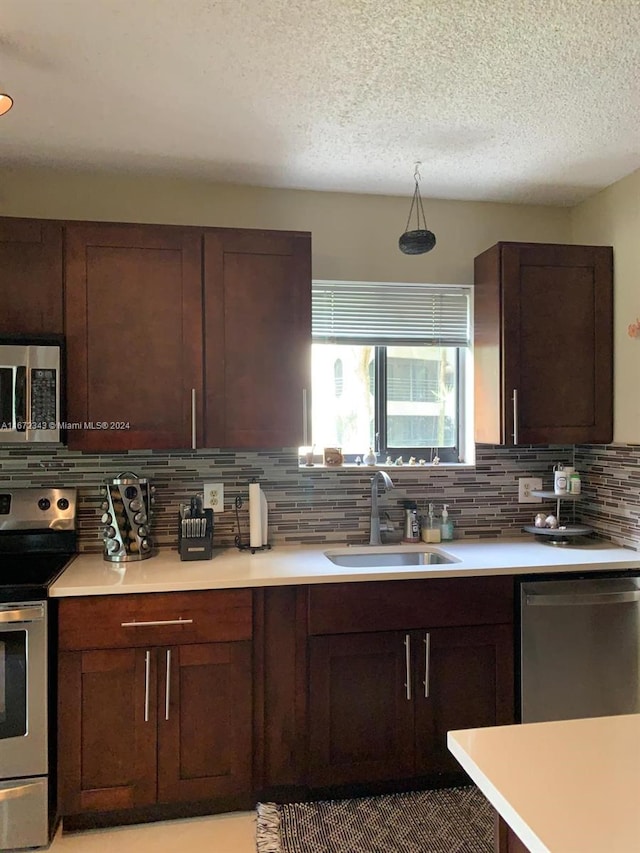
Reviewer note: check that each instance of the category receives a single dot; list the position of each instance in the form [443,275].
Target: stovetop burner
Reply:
[37,540]
[26,577]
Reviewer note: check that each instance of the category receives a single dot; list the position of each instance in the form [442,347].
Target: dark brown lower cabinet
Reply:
[149,726]
[506,841]
[381,703]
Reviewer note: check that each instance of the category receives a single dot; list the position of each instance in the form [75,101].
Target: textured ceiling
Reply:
[513,100]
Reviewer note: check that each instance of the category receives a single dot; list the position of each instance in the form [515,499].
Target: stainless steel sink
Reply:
[390,557]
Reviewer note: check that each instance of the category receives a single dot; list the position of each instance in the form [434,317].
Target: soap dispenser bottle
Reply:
[431,533]
[446,525]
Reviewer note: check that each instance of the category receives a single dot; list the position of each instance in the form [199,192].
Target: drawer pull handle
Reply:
[180,621]
[147,675]
[407,663]
[427,662]
[167,690]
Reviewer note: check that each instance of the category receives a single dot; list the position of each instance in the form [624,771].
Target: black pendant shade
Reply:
[420,240]
[417,242]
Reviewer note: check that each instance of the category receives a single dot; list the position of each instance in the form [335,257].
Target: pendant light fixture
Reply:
[420,240]
[6,102]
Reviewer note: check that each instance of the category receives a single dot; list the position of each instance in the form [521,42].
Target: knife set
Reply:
[195,531]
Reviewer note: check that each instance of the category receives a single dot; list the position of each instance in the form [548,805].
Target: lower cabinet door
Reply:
[107,730]
[360,708]
[204,721]
[465,680]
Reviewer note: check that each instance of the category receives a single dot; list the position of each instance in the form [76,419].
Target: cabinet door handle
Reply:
[515,415]
[407,663]
[427,660]
[179,621]
[305,419]
[147,676]
[167,689]
[194,444]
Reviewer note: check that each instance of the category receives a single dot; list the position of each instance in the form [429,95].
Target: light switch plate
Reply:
[525,486]
[214,496]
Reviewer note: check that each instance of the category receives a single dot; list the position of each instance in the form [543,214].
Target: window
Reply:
[389,367]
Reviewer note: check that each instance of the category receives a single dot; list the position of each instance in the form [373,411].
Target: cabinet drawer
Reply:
[117,621]
[346,608]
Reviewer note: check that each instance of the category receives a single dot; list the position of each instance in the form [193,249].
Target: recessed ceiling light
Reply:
[6,102]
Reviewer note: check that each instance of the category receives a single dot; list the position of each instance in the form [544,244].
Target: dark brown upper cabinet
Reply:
[257,332]
[543,344]
[30,276]
[134,336]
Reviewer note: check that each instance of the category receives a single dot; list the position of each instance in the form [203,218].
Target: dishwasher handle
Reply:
[533,599]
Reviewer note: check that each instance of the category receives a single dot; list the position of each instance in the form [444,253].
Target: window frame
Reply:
[464,428]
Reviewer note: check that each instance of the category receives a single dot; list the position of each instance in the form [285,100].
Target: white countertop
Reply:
[90,574]
[563,787]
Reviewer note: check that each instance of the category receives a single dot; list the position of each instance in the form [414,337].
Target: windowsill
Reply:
[351,466]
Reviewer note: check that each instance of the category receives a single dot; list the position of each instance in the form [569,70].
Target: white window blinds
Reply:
[387,314]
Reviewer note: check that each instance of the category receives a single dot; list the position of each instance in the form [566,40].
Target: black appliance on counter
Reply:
[37,540]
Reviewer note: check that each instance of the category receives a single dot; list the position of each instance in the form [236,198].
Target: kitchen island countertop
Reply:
[90,574]
[563,787]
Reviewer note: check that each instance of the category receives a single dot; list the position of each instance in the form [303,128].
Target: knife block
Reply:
[197,547]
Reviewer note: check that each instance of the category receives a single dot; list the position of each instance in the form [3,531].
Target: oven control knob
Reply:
[106,518]
[63,503]
[135,505]
[44,503]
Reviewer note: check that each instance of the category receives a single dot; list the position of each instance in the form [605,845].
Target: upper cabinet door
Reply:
[134,336]
[30,277]
[258,337]
[544,344]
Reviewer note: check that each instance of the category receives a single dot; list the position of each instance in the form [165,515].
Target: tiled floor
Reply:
[227,833]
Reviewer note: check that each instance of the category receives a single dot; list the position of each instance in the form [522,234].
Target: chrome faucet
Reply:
[385,479]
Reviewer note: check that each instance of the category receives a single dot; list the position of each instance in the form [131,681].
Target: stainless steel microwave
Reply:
[30,390]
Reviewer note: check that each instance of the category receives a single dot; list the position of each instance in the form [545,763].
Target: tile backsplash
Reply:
[320,505]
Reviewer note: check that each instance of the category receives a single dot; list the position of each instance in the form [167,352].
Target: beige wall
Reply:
[354,236]
[612,218]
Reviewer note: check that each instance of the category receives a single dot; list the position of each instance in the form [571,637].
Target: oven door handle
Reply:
[26,613]
[571,600]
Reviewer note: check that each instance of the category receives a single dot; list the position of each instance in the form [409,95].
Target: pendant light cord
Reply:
[416,202]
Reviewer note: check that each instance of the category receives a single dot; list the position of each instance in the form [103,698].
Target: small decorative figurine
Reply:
[370,457]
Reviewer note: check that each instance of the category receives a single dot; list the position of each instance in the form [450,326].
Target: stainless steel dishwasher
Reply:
[579,648]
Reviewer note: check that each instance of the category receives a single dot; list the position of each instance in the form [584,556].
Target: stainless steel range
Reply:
[37,540]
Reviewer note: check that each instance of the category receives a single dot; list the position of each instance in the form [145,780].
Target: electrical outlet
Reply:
[525,486]
[214,496]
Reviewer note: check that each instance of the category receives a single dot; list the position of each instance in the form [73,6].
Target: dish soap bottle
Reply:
[446,526]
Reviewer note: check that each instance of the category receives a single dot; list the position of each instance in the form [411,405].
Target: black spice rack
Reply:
[564,533]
